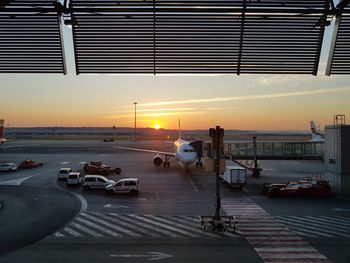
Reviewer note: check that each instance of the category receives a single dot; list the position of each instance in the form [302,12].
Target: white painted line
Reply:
[279,243]
[100,228]
[16,182]
[119,221]
[165,226]
[58,234]
[301,233]
[63,163]
[301,226]
[85,229]
[142,224]
[151,256]
[120,229]
[245,190]
[275,238]
[333,229]
[82,163]
[193,229]
[72,232]
[344,221]
[260,228]
[293,256]
[331,223]
[193,185]
[107,206]
[286,249]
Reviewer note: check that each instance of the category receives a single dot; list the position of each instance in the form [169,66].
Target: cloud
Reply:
[248,97]
[158,110]
[221,108]
[160,114]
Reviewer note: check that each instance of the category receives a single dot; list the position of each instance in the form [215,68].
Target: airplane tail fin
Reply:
[179,128]
[1,128]
[315,132]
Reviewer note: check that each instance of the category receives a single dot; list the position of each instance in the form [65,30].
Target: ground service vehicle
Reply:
[97,167]
[74,178]
[298,188]
[96,182]
[128,185]
[28,164]
[63,173]
[234,176]
[8,167]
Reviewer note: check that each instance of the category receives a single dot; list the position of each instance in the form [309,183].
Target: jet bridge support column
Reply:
[217,222]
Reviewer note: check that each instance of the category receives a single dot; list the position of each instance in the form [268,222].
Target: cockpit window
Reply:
[188,150]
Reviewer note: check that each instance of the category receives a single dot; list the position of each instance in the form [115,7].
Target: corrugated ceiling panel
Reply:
[119,41]
[285,42]
[30,41]
[198,36]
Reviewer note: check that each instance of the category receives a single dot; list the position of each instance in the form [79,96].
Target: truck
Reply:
[97,167]
[234,176]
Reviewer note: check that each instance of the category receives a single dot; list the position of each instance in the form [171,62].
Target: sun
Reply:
[157,126]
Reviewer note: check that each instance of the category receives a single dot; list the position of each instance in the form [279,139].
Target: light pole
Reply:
[135,103]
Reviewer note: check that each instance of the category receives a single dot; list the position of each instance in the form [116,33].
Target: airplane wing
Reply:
[145,150]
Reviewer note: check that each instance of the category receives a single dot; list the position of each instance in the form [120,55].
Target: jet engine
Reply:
[157,160]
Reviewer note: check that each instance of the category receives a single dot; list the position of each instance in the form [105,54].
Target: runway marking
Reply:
[58,234]
[115,227]
[82,163]
[193,185]
[85,229]
[317,226]
[164,226]
[148,226]
[245,190]
[63,163]
[99,224]
[100,228]
[272,240]
[198,231]
[120,221]
[107,206]
[16,182]
[72,232]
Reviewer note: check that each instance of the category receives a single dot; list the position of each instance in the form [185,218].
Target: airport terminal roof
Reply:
[174,37]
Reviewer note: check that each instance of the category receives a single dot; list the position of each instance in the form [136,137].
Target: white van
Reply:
[63,173]
[96,182]
[128,185]
[74,178]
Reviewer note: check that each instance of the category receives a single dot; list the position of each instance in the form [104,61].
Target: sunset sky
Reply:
[257,102]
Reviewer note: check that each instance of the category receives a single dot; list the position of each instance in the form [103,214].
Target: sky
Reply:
[245,102]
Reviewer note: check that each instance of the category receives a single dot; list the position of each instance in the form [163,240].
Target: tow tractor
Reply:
[28,164]
[315,187]
[97,167]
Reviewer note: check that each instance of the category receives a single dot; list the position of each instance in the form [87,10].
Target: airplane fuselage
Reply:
[185,153]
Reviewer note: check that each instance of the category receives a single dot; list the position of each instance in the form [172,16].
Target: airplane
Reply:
[315,133]
[186,153]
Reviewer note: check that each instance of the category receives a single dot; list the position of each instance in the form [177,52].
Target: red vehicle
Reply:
[97,167]
[300,188]
[28,164]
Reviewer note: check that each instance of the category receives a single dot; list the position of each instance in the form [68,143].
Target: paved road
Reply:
[161,222]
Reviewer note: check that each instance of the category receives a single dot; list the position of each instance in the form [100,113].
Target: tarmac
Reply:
[42,220]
